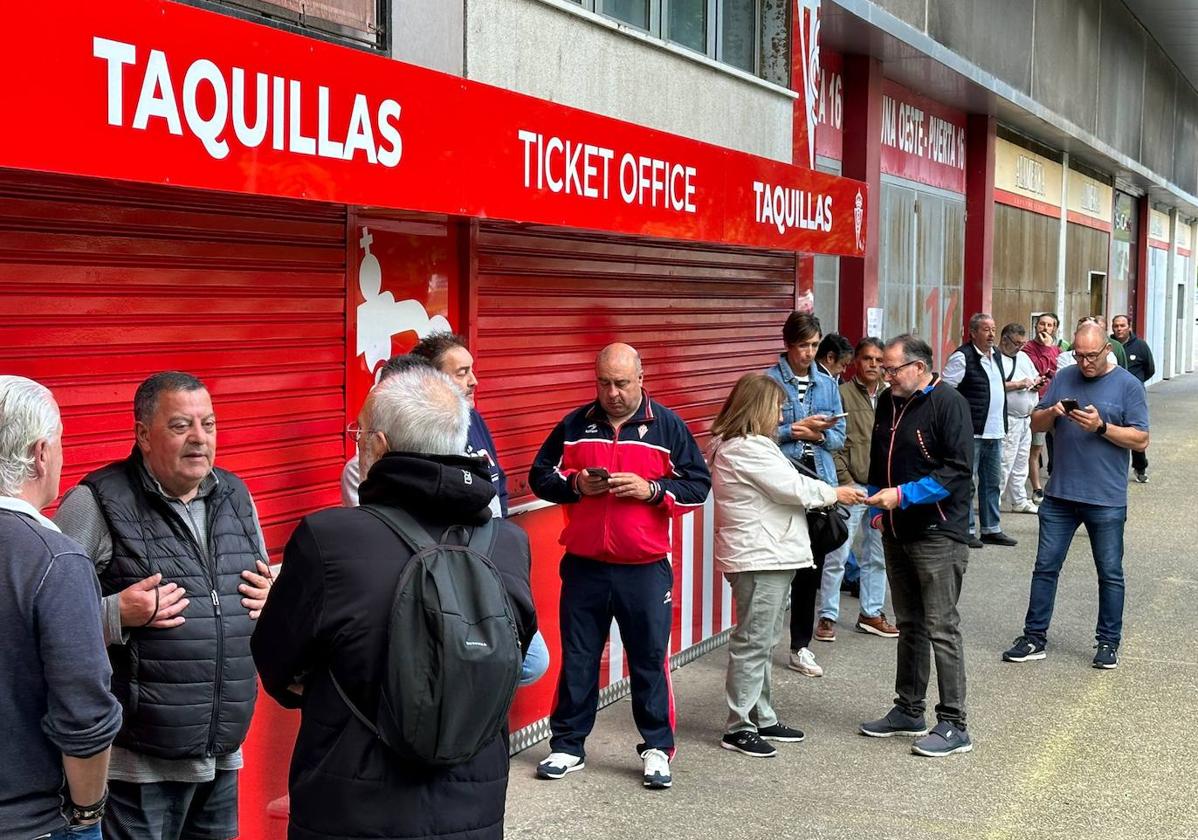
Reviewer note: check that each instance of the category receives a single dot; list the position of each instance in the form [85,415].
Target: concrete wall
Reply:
[428,33]
[1090,61]
[546,51]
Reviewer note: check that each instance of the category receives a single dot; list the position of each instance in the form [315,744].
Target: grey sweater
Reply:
[54,696]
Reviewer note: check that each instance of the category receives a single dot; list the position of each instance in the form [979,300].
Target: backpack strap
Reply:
[483,539]
[403,525]
[365,721]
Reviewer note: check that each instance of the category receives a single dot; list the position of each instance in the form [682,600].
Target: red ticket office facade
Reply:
[181,189]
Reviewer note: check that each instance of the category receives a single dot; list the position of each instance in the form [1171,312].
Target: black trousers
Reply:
[804,590]
[1139,461]
[638,597]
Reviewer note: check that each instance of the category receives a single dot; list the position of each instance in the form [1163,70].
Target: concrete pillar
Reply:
[979,216]
[1170,348]
[1140,298]
[1063,241]
[862,160]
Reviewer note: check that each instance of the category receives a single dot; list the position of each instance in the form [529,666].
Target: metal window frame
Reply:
[659,27]
[264,12]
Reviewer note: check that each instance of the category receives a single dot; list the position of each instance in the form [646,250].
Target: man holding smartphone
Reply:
[622,465]
[1097,412]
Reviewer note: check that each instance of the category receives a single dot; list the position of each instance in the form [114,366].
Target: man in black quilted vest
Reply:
[976,370]
[181,560]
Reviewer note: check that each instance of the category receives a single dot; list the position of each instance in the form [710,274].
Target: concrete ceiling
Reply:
[1174,25]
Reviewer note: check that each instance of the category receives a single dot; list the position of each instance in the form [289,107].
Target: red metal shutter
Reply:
[103,283]
[548,301]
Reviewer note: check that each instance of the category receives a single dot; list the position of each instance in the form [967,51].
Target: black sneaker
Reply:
[748,743]
[1106,657]
[999,538]
[1038,496]
[1142,477]
[1024,650]
[896,722]
[974,542]
[944,739]
[781,732]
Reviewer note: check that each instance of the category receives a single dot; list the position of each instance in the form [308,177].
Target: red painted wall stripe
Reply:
[1089,221]
[1011,199]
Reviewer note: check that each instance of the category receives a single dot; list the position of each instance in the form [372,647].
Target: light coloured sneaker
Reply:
[559,764]
[1026,506]
[657,769]
[803,661]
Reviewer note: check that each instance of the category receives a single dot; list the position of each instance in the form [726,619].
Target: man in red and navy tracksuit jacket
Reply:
[624,465]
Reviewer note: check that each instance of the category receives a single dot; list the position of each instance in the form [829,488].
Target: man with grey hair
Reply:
[179,553]
[1022,381]
[919,481]
[58,716]
[330,611]
[975,370]
[1098,413]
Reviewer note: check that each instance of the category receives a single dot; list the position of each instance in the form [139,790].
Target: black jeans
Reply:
[925,582]
[173,810]
[1139,461]
[804,590]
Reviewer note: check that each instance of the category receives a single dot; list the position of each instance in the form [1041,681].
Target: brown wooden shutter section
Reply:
[547,301]
[103,283]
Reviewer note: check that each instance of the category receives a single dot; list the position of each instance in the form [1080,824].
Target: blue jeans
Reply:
[873,569]
[78,832]
[536,661]
[1058,523]
[987,472]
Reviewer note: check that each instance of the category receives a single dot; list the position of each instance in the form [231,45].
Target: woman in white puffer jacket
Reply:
[760,540]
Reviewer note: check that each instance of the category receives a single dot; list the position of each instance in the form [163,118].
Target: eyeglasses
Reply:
[893,371]
[1090,358]
[354,432]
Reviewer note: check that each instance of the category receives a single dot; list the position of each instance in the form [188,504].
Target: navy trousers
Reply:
[639,598]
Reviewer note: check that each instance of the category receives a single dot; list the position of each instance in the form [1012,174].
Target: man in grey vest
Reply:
[975,369]
[181,560]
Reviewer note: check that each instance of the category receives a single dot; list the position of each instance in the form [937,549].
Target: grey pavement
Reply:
[1061,750]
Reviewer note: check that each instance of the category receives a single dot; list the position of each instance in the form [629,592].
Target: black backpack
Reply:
[453,650]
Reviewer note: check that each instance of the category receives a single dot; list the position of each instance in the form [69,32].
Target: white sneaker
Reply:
[559,764]
[657,769]
[804,662]
[1026,506]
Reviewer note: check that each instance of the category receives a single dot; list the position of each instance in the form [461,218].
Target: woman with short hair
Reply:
[760,540]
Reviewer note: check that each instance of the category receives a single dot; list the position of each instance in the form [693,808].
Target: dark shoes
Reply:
[1106,657]
[781,732]
[1142,477]
[999,539]
[1024,650]
[974,542]
[944,739]
[748,743]
[896,722]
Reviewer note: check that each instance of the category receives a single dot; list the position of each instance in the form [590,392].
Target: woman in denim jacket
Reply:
[810,432]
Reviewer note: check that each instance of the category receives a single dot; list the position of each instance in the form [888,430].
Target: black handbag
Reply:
[827,528]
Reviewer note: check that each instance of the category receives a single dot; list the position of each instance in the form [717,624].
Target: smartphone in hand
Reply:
[598,472]
[1069,405]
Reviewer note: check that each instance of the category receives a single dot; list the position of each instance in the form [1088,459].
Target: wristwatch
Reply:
[1101,430]
[88,813]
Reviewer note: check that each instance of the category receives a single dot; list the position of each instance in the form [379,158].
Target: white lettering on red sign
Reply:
[577,168]
[281,112]
[913,131]
[787,208]
[831,99]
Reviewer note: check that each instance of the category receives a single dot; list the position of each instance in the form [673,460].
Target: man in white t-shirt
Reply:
[1021,381]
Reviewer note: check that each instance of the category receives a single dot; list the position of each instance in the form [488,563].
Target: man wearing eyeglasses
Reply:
[974,369]
[920,478]
[1098,412]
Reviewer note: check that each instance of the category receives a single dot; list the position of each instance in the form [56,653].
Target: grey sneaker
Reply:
[896,722]
[944,739]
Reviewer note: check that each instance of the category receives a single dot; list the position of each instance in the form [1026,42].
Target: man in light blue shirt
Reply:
[1098,413]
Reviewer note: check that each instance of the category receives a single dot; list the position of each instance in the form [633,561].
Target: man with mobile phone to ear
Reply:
[1098,413]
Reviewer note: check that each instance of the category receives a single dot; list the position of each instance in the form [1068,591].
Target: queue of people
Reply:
[141,618]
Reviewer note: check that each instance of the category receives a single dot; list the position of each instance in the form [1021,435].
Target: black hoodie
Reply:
[330,608]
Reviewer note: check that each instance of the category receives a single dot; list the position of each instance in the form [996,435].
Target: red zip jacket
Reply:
[655,444]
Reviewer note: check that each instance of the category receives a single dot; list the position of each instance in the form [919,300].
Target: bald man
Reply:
[623,465]
[1097,412]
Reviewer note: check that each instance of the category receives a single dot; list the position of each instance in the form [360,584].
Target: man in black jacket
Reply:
[179,552]
[330,609]
[920,472]
[1142,366]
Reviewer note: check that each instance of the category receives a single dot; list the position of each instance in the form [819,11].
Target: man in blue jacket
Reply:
[58,716]
[920,481]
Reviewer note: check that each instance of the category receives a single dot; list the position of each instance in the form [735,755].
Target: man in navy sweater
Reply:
[58,716]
